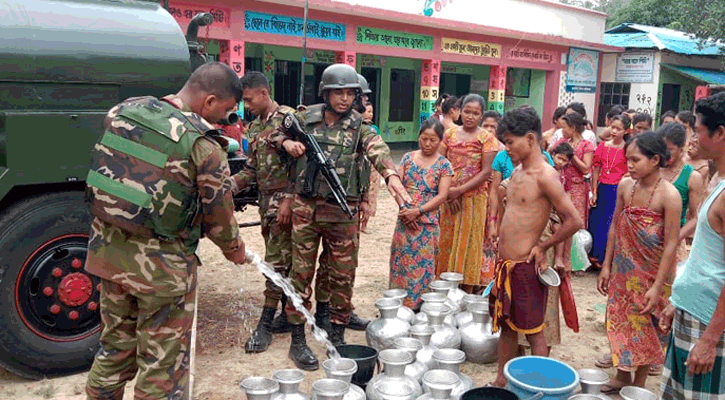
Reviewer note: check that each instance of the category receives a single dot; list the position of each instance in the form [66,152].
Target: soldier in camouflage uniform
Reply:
[270,168]
[345,141]
[159,180]
[322,291]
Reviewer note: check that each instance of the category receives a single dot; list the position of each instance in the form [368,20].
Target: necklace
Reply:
[676,174]
[614,159]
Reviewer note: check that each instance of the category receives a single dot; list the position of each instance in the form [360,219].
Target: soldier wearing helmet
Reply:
[346,141]
[367,208]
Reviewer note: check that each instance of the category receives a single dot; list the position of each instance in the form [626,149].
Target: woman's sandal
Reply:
[604,361]
[607,389]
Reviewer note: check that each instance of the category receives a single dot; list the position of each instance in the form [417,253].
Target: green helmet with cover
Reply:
[364,84]
[339,76]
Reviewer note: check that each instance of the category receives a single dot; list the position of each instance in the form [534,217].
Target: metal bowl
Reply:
[591,380]
[549,277]
[585,396]
[636,393]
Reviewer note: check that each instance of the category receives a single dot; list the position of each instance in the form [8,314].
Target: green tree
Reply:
[703,18]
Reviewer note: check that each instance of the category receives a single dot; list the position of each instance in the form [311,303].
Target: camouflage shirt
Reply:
[165,268]
[338,136]
[267,164]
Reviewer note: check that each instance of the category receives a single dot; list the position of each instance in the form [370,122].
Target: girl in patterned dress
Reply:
[427,176]
[640,255]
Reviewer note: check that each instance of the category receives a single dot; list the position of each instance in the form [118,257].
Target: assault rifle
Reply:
[317,161]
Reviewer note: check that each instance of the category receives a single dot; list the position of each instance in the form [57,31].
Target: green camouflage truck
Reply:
[64,64]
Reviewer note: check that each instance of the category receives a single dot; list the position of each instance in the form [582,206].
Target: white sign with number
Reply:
[636,67]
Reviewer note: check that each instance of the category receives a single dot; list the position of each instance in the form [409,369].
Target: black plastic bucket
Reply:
[366,357]
[494,393]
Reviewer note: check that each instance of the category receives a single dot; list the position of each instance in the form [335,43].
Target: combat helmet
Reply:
[339,76]
[364,84]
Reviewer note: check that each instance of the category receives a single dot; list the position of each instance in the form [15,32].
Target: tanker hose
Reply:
[199,20]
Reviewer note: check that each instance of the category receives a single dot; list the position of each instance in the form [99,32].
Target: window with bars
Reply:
[611,94]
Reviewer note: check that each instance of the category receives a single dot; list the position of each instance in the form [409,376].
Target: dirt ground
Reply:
[230,302]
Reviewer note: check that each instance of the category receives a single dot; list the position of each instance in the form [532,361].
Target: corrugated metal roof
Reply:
[651,37]
[709,76]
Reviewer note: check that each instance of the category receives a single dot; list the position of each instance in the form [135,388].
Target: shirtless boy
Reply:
[518,298]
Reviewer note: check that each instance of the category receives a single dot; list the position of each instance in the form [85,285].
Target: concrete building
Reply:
[512,52]
[660,70]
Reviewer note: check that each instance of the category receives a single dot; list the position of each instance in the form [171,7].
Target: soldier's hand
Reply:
[237,256]
[365,213]
[396,188]
[284,214]
[294,148]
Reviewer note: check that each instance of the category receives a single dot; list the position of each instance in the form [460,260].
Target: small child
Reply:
[562,155]
[518,299]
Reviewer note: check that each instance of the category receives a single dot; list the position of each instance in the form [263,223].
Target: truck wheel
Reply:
[49,306]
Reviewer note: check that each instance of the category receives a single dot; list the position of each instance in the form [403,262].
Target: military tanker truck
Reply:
[64,64]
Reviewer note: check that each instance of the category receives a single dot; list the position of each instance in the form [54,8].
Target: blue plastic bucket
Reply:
[530,375]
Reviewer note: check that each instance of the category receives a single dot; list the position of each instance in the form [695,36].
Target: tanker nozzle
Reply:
[231,119]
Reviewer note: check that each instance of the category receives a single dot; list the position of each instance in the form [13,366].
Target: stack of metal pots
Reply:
[285,384]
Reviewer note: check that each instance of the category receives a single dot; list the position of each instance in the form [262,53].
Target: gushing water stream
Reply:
[286,285]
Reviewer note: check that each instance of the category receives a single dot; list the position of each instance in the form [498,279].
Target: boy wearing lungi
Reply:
[695,361]
[518,299]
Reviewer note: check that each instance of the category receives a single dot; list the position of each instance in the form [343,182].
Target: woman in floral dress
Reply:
[427,176]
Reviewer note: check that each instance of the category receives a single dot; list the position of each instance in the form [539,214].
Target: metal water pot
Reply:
[432,298]
[289,384]
[464,317]
[343,369]
[425,355]
[477,339]
[329,389]
[393,383]
[451,360]
[445,288]
[259,388]
[440,384]
[381,333]
[404,313]
[445,336]
[455,279]
[416,369]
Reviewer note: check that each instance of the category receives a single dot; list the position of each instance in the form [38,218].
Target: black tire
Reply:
[37,235]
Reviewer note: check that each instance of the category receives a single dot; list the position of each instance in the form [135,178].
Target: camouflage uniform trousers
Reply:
[277,244]
[147,334]
[312,223]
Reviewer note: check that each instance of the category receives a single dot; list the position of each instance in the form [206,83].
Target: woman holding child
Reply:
[471,150]
[581,164]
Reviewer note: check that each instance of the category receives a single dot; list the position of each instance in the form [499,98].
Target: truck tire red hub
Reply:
[75,289]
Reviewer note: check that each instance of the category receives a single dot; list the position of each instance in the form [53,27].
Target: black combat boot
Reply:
[322,317]
[280,323]
[302,356]
[262,336]
[356,323]
[337,334]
